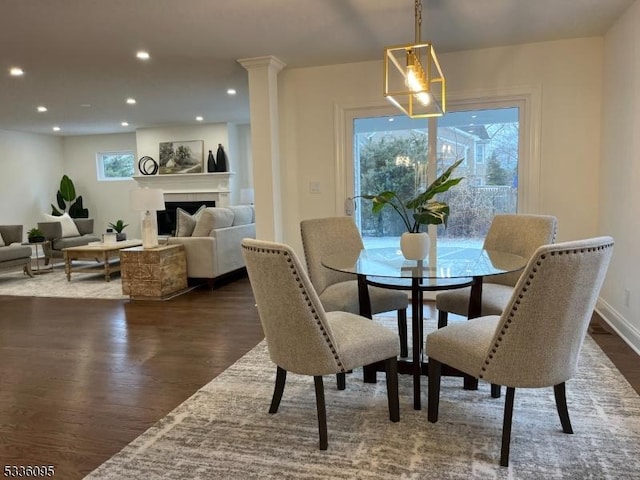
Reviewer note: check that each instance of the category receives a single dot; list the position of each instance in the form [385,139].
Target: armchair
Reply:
[339,291]
[536,341]
[54,233]
[520,234]
[12,252]
[304,339]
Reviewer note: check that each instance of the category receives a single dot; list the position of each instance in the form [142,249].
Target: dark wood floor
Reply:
[80,379]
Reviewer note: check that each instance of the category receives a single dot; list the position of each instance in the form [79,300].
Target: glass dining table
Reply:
[446,268]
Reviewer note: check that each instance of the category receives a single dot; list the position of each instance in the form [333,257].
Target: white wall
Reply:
[620,173]
[32,166]
[245,160]
[240,157]
[107,201]
[568,73]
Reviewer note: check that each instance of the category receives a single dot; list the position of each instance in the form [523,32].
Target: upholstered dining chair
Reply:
[536,341]
[304,339]
[337,290]
[519,234]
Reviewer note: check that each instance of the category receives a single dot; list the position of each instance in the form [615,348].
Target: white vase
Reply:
[415,246]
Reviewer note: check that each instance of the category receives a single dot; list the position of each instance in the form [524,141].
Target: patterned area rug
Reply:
[224,431]
[54,284]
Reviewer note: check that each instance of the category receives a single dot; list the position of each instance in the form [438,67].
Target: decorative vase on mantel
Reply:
[211,162]
[221,159]
[415,246]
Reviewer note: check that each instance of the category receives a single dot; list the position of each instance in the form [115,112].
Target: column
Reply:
[265,148]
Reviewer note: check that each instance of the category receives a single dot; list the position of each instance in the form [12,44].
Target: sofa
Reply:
[61,235]
[12,252]
[211,239]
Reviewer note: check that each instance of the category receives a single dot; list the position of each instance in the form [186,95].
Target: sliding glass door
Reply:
[392,152]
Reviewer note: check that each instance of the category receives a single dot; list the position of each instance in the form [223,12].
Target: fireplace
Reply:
[167,217]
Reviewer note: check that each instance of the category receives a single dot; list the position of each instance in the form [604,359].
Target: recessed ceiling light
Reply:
[56,129]
[142,55]
[42,108]
[199,118]
[392,119]
[16,71]
[231,91]
[131,101]
[125,124]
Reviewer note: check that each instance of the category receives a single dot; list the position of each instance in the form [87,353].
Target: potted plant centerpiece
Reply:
[119,226]
[35,235]
[423,209]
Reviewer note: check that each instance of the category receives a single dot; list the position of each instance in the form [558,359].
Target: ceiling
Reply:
[79,55]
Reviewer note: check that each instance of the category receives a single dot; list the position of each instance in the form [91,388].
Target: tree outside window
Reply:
[115,165]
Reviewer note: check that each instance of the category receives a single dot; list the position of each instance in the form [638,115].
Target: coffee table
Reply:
[105,255]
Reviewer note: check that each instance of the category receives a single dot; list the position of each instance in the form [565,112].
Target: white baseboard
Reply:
[620,325]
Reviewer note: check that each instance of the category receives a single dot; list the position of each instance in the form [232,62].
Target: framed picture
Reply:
[182,157]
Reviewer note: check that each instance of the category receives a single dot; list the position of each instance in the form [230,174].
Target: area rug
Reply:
[55,284]
[224,431]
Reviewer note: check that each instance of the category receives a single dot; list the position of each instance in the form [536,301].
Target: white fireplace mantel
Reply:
[190,186]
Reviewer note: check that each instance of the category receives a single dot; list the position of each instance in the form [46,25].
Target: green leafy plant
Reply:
[68,202]
[35,232]
[422,209]
[119,226]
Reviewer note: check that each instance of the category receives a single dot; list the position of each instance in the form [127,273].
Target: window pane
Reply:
[115,166]
[488,140]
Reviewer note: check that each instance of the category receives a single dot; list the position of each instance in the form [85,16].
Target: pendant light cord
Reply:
[418,15]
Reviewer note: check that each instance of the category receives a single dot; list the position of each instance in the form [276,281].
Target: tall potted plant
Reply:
[67,201]
[423,209]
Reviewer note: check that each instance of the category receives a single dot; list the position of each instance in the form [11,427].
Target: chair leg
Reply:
[495,391]
[322,411]
[281,377]
[506,427]
[341,380]
[561,404]
[443,318]
[391,369]
[402,332]
[433,401]
[27,269]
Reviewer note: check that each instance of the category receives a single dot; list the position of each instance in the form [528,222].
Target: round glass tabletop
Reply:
[447,263]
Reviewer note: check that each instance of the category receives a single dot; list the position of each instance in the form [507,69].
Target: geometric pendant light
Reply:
[413,79]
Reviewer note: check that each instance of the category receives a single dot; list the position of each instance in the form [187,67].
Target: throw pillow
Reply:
[242,214]
[2,244]
[69,228]
[212,218]
[185,222]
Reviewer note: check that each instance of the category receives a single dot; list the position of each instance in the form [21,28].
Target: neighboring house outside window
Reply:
[480,152]
[115,165]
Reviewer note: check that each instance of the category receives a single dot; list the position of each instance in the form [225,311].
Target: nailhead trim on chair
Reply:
[514,308]
[308,300]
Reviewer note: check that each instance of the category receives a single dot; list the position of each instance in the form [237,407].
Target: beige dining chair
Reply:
[519,234]
[303,338]
[536,341]
[337,290]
